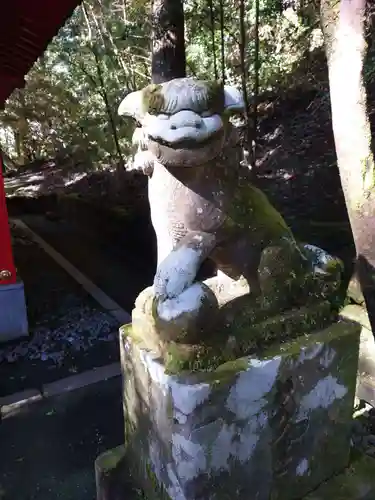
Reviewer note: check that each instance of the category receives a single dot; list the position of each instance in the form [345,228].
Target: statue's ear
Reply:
[132,106]
[233,100]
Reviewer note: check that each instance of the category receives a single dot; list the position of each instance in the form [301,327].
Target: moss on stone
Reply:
[337,330]
[126,330]
[251,208]
[215,97]
[181,358]
[143,474]
[129,331]
[246,339]
[356,482]
[153,99]
[252,331]
[109,460]
[251,338]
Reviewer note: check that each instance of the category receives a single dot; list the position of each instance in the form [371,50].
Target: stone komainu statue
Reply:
[203,205]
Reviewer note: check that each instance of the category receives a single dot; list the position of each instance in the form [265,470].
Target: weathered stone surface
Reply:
[357,482]
[241,332]
[106,466]
[113,480]
[271,426]
[366,364]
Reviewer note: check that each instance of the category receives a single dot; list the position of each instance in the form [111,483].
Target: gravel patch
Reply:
[69,331]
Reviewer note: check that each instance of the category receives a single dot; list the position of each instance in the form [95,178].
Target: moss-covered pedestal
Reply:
[267,427]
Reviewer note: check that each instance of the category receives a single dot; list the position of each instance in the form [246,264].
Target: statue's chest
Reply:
[192,202]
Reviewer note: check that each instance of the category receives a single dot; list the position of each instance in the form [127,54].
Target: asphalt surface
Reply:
[48,448]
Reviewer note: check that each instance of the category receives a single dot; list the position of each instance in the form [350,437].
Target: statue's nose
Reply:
[186,119]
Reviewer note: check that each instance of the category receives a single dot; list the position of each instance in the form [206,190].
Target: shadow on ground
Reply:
[69,331]
[49,447]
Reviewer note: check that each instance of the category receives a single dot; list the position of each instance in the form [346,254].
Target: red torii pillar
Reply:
[13,315]
[7,267]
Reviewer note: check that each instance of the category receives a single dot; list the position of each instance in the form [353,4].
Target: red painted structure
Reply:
[26,28]
[6,256]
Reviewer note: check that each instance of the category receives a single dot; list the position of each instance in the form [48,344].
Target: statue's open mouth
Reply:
[187,153]
[188,143]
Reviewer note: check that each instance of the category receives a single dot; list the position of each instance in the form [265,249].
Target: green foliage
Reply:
[285,38]
[63,107]
[103,52]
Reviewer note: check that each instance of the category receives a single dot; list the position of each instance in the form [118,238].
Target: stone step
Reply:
[356,482]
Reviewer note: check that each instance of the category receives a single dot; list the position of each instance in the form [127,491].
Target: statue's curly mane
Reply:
[184,94]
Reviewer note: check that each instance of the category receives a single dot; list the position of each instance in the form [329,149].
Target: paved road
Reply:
[48,448]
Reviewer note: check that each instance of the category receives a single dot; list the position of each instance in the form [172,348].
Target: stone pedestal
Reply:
[267,427]
[366,364]
[13,314]
[108,468]
[357,482]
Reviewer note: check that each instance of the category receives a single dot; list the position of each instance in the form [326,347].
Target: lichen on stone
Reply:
[109,460]
[215,97]
[252,209]
[153,98]
[246,338]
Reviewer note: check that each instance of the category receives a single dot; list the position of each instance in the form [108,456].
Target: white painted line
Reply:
[80,380]
[10,409]
[18,397]
[97,293]
[12,404]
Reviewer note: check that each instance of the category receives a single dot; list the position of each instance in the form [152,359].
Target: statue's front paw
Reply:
[176,273]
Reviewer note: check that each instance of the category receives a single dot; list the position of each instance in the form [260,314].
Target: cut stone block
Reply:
[366,363]
[267,427]
[107,466]
[357,482]
[13,314]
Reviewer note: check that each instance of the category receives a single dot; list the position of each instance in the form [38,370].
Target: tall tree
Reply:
[168,41]
[343,24]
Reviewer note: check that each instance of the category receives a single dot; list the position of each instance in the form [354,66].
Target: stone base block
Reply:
[267,427]
[366,363]
[357,482]
[109,484]
[13,314]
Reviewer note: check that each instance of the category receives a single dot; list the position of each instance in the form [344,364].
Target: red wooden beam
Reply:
[7,267]
[26,28]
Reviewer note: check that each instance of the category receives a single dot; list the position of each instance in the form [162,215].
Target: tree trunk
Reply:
[343,24]
[103,91]
[111,118]
[168,44]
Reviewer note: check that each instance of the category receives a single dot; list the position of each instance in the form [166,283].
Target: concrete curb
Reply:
[81,380]
[13,402]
